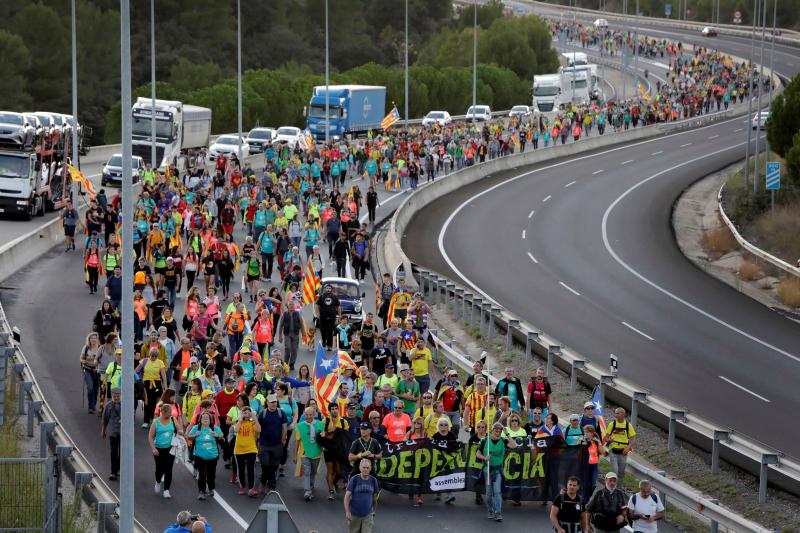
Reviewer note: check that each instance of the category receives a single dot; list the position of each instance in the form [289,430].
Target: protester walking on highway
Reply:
[568,513]
[361,499]
[308,450]
[492,451]
[207,437]
[274,432]
[606,507]
[90,361]
[162,431]
[188,522]
[111,426]
[645,509]
[620,439]
[246,430]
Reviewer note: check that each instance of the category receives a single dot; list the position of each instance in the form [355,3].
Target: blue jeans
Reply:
[170,296]
[424,383]
[494,492]
[92,381]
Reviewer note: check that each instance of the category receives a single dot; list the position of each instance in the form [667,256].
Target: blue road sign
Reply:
[667,10]
[773,176]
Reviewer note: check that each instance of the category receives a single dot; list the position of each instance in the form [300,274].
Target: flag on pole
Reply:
[326,378]
[392,118]
[377,296]
[311,283]
[598,412]
[79,177]
[345,362]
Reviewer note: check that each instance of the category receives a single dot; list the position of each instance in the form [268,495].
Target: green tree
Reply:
[793,164]
[186,76]
[784,121]
[15,60]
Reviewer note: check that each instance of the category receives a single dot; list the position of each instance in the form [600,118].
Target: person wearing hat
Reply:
[308,449]
[588,418]
[607,506]
[365,447]
[112,422]
[573,433]
[274,431]
[449,392]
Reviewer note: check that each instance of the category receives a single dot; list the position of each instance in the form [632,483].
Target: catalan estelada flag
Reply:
[345,361]
[79,177]
[392,118]
[326,378]
[311,283]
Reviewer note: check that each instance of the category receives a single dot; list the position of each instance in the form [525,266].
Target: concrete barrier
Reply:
[26,248]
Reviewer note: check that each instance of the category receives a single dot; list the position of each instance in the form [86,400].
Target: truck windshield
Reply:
[545,91]
[319,112]
[14,167]
[141,126]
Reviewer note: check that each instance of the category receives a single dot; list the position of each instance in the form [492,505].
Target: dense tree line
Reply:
[282,53]
[783,132]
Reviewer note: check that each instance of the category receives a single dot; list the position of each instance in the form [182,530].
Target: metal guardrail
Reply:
[753,249]
[445,296]
[53,436]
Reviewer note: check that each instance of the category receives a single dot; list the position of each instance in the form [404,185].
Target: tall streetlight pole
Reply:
[474,57]
[757,168]
[405,81]
[74,191]
[636,53]
[127,441]
[771,83]
[239,77]
[153,156]
[327,80]
[624,57]
[756,5]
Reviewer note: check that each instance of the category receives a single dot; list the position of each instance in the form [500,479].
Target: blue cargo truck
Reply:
[352,109]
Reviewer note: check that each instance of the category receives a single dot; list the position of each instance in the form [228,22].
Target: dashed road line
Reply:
[533,258]
[570,289]
[570,184]
[626,162]
[748,391]
[523,234]
[547,198]
[713,137]
[530,215]
[685,145]
[597,172]
[658,153]
[737,130]
[640,332]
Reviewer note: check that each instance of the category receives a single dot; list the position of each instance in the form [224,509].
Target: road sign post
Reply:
[773,180]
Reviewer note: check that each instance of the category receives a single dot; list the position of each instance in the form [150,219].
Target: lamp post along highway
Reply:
[757,168]
[405,65]
[474,57]
[74,188]
[327,80]
[239,78]
[750,99]
[771,83]
[155,164]
[636,52]
[127,441]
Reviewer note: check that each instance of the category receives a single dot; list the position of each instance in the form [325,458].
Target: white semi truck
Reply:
[547,96]
[179,127]
[575,86]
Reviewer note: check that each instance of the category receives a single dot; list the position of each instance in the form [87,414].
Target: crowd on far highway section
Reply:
[231,263]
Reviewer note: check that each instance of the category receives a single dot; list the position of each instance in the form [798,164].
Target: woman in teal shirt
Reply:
[162,430]
[311,236]
[206,452]
[287,404]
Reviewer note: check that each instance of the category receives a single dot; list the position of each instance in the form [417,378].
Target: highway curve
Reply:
[598,268]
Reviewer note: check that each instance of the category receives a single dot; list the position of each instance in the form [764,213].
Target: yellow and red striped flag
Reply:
[392,118]
[326,378]
[311,283]
[79,177]
[345,362]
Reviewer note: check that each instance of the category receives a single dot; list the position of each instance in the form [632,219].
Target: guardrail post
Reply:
[449,295]
[33,409]
[82,480]
[24,387]
[719,436]
[638,396]
[605,379]
[714,524]
[493,314]
[766,460]
[19,368]
[434,290]
[530,338]
[512,325]
[577,364]
[3,370]
[45,428]
[475,315]
[431,282]
[662,494]
[553,349]
[466,310]
[456,305]
[486,311]
[104,510]
[674,416]
[434,345]
[423,281]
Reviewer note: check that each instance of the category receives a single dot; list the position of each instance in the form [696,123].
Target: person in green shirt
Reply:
[307,433]
[408,390]
[492,450]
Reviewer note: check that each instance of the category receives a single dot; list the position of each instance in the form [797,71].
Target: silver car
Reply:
[16,131]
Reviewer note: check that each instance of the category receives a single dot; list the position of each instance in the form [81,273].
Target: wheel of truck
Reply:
[41,206]
[49,205]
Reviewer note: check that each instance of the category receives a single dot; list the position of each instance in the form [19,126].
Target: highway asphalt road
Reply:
[597,267]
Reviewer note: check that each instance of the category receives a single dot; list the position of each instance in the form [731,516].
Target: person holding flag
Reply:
[492,450]
[392,118]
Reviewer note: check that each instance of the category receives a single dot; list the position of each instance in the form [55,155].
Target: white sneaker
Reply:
[144,425]
[167,495]
[157,488]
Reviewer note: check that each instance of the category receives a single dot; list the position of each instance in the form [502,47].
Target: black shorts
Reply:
[253,278]
[69,231]
[160,271]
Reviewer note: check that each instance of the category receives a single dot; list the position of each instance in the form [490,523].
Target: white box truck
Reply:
[547,93]
[575,58]
[575,86]
[179,127]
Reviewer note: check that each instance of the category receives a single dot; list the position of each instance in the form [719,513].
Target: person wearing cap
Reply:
[408,389]
[492,451]
[388,377]
[568,513]
[588,417]
[274,430]
[607,506]
[193,372]
[364,447]
[573,433]
[450,393]
[113,374]
[308,449]
[351,415]
[111,427]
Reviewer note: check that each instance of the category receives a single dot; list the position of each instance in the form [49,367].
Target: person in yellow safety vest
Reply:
[148,175]
[111,259]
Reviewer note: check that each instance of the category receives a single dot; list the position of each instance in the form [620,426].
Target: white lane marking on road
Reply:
[530,215]
[737,130]
[626,162]
[640,332]
[457,210]
[723,378]
[685,145]
[225,505]
[658,153]
[570,289]
[547,198]
[658,287]
[570,184]
[597,172]
[533,258]
[713,137]
[523,234]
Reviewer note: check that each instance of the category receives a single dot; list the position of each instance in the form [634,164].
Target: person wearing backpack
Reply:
[450,393]
[620,438]
[607,507]
[645,509]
